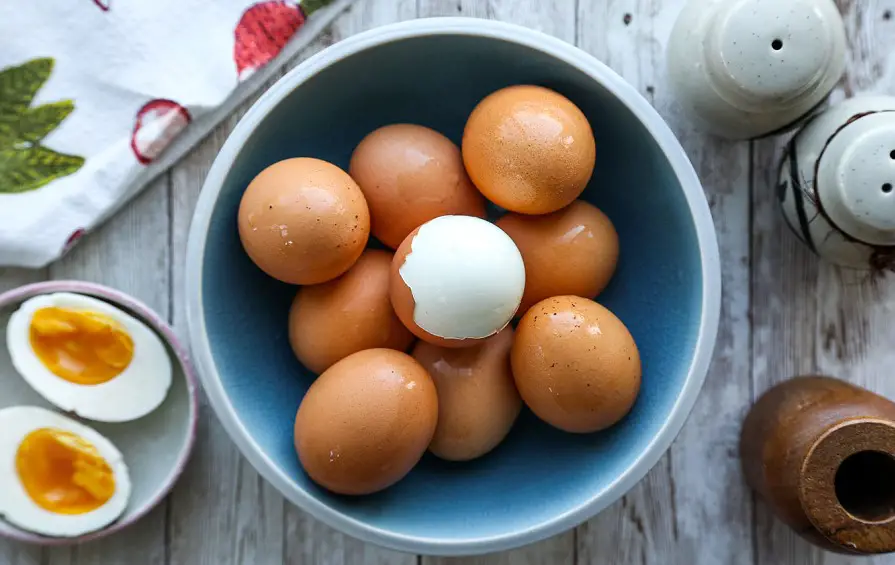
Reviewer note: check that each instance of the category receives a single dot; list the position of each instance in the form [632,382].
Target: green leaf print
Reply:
[24,163]
[311,6]
[18,85]
[36,123]
[32,167]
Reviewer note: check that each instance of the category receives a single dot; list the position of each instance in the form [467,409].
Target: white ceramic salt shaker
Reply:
[743,69]
[837,183]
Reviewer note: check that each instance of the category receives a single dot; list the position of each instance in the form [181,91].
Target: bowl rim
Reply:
[147,315]
[636,104]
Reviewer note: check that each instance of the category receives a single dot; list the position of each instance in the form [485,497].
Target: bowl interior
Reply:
[538,473]
[154,446]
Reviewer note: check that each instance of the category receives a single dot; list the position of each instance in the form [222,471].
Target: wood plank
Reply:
[556,17]
[682,513]
[222,512]
[810,316]
[129,253]
[15,553]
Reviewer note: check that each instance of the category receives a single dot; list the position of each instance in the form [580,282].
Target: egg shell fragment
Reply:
[457,280]
[303,221]
[529,149]
[138,390]
[329,321]
[477,398]
[573,251]
[17,507]
[366,422]
[575,364]
[411,174]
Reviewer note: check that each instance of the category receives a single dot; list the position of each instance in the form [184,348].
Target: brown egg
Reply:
[529,149]
[571,251]
[410,174]
[477,398]
[575,364]
[332,320]
[303,221]
[366,421]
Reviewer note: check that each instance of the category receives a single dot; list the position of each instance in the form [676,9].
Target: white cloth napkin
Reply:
[97,97]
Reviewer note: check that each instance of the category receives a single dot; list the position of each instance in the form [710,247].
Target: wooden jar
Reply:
[821,453]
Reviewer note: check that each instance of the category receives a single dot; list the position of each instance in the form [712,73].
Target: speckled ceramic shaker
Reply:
[743,69]
[836,183]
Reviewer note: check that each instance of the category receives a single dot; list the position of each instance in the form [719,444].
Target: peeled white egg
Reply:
[58,477]
[89,357]
[457,280]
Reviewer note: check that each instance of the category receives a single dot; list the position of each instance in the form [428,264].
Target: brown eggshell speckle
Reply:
[529,149]
[329,321]
[411,174]
[366,422]
[575,364]
[477,398]
[573,251]
[404,304]
[303,221]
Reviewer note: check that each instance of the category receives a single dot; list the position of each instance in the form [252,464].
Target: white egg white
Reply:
[20,510]
[466,276]
[135,392]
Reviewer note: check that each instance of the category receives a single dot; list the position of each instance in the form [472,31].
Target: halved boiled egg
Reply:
[89,357]
[58,477]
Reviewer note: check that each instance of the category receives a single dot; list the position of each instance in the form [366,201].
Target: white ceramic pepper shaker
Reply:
[837,183]
[743,69]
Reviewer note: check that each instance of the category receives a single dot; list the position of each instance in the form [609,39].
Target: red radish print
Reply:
[73,239]
[262,32]
[158,123]
[104,5]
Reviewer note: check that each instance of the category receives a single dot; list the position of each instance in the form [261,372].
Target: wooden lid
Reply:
[847,485]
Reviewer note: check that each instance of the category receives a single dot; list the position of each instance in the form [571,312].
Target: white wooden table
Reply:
[783,314]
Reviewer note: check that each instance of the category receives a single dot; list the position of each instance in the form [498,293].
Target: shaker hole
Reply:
[892,154]
[887,188]
[864,486]
[777,44]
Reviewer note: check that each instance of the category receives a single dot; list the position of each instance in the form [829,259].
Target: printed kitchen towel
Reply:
[97,97]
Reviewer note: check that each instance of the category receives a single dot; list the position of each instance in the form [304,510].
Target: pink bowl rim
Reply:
[156,322]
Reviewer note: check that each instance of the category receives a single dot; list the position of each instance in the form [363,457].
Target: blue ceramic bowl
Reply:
[540,481]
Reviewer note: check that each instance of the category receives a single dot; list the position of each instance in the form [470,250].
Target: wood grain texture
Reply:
[809,316]
[693,508]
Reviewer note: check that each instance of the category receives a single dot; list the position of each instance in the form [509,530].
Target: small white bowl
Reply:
[156,447]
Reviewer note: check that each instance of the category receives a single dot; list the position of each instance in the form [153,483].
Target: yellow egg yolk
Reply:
[62,472]
[81,347]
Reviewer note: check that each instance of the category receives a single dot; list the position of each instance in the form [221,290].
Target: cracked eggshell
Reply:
[366,422]
[457,280]
[575,364]
[303,221]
